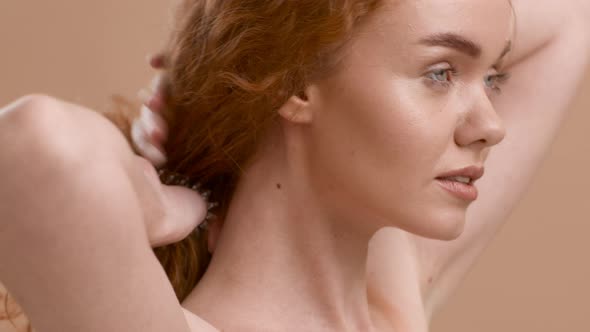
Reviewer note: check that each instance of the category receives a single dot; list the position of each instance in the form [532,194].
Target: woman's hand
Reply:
[149,131]
[72,231]
[170,212]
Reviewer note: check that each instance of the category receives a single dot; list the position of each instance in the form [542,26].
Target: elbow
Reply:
[35,130]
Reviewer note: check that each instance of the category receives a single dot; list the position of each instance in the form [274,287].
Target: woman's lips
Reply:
[467,192]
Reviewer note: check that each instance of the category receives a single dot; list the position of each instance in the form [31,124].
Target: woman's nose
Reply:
[482,124]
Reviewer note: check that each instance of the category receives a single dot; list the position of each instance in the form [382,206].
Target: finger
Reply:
[156,137]
[156,83]
[153,100]
[154,124]
[149,131]
[145,147]
[157,61]
[159,87]
[156,102]
[186,209]
[175,212]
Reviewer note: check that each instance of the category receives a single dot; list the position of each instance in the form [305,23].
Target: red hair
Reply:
[233,63]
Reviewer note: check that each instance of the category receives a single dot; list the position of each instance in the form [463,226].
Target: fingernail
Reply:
[156,61]
[147,119]
[144,96]
[154,155]
[155,84]
[146,149]
[155,102]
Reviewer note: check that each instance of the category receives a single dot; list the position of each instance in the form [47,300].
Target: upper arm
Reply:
[547,69]
[79,245]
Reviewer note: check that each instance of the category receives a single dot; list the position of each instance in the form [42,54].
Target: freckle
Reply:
[430,280]
[278,186]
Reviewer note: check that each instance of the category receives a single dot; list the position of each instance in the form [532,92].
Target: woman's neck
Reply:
[283,261]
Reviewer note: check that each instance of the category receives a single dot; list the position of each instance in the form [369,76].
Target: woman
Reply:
[404,267]
[347,146]
[435,124]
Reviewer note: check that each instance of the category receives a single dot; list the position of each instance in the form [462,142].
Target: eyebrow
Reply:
[460,43]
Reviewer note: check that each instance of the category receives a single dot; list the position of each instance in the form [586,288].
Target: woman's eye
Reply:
[495,81]
[490,81]
[441,75]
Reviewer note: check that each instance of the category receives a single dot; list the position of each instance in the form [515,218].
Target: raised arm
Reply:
[552,51]
[73,245]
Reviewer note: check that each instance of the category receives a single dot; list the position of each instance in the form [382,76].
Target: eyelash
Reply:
[498,79]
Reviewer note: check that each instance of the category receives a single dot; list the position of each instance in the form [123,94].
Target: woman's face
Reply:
[414,99]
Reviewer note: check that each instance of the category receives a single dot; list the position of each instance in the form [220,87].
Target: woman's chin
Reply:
[444,226]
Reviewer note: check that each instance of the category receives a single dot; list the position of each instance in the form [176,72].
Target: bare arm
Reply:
[549,61]
[75,258]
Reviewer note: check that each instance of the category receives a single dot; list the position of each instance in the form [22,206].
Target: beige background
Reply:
[535,276]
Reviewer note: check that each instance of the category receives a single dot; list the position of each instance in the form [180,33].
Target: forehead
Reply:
[489,23]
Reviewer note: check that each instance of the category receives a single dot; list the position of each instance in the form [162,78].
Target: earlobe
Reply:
[297,109]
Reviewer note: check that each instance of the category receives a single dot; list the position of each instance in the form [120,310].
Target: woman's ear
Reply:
[298,108]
